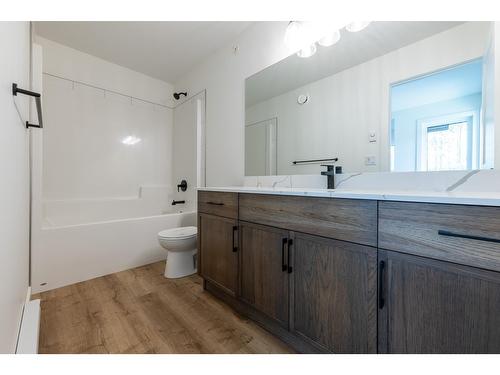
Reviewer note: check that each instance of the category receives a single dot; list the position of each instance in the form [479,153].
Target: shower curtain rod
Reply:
[107,90]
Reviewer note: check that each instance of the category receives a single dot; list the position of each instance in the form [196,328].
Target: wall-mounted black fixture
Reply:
[177,95]
[333,160]
[182,186]
[16,90]
[174,202]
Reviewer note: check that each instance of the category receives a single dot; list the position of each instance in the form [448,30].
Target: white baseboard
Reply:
[27,342]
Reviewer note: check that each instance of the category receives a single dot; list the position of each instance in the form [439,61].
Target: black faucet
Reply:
[330,173]
[174,202]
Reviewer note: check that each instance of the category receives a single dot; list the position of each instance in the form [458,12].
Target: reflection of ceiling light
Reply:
[301,37]
[356,26]
[130,140]
[330,39]
[307,51]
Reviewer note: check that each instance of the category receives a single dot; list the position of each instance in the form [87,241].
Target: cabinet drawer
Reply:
[342,219]
[467,235]
[218,203]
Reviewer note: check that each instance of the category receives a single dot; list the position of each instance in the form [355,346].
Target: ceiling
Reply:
[376,40]
[456,82]
[164,50]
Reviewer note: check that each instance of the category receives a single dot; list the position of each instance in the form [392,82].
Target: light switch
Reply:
[372,137]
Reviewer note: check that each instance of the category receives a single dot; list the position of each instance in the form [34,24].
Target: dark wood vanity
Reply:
[354,275]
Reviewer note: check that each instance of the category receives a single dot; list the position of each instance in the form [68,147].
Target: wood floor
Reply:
[139,311]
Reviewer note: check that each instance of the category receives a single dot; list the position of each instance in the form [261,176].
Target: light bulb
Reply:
[330,39]
[356,26]
[294,35]
[307,51]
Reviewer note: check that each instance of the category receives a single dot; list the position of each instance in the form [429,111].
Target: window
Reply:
[446,143]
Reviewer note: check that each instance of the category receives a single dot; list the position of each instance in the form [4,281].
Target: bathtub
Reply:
[66,252]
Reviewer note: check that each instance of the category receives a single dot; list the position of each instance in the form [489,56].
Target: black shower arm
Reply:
[16,90]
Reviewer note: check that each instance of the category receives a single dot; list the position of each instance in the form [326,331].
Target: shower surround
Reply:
[103,168]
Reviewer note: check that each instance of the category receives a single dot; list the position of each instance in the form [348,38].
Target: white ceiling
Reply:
[164,50]
[448,84]
[376,40]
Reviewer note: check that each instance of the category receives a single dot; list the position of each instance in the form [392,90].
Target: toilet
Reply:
[180,244]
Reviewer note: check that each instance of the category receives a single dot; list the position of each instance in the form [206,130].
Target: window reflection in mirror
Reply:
[436,121]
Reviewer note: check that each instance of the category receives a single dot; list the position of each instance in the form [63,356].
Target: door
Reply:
[264,270]
[219,251]
[334,288]
[430,306]
[261,148]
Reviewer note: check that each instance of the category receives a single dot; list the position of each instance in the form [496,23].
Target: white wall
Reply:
[188,150]
[223,76]
[14,181]
[83,156]
[261,45]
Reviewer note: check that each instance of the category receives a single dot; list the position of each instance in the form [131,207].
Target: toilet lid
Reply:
[182,232]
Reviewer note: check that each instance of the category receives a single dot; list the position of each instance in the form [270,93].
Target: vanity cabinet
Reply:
[431,306]
[321,288]
[219,251]
[218,239]
[264,272]
[437,291]
[334,294]
[356,276]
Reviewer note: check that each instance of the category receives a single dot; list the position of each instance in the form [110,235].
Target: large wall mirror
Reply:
[395,96]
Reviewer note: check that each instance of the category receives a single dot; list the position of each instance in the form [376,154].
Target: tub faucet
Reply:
[174,202]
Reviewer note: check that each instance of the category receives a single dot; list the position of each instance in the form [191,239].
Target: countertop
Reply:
[458,197]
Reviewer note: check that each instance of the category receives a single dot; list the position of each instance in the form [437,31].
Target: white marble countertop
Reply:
[450,197]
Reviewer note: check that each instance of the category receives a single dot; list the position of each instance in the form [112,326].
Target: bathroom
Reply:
[250,187]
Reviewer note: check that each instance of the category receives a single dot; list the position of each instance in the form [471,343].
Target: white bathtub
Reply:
[64,254]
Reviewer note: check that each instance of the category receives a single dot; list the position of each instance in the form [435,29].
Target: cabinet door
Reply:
[264,270]
[430,306]
[334,301]
[218,251]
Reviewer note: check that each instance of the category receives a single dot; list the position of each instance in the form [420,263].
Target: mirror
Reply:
[395,96]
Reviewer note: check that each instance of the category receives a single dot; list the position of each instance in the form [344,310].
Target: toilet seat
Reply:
[178,233]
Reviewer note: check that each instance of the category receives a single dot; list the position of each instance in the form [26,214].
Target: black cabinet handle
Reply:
[235,246]
[283,246]
[215,203]
[478,238]
[381,287]
[290,243]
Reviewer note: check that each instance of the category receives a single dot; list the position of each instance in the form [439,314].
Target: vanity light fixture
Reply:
[356,26]
[330,39]
[307,51]
[301,37]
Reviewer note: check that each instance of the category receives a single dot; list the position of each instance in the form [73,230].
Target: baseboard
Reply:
[29,332]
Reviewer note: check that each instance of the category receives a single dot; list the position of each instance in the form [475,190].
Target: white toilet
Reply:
[180,244]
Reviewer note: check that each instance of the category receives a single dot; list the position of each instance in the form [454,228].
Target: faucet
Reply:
[330,173]
[174,202]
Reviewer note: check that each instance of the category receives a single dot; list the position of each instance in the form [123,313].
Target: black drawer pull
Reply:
[290,243]
[283,246]
[381,288]
[215,203]
[478,238]
[235,246]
